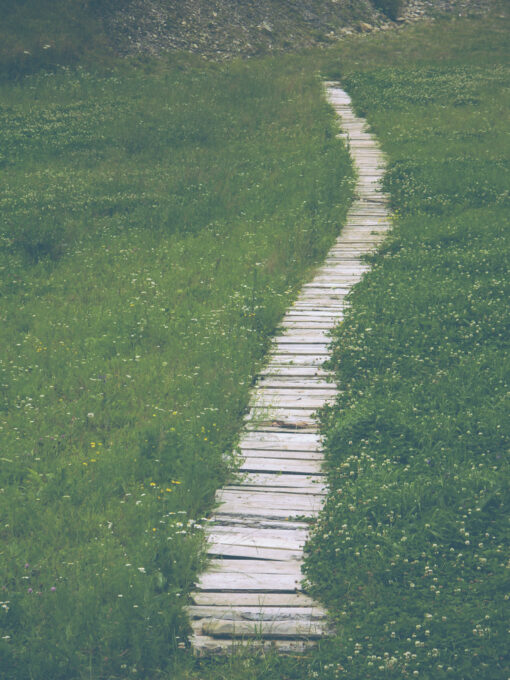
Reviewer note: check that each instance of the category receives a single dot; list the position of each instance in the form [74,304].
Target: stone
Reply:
[266,26]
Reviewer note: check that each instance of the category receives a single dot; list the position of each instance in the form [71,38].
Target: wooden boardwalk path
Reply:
[252,589]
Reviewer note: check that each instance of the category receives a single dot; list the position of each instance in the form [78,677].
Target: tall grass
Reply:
[43,34]
[157,220]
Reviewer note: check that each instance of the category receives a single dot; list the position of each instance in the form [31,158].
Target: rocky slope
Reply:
[225,28]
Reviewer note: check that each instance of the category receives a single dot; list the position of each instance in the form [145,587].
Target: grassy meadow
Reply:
[158,217]
[157,220]
[411,552]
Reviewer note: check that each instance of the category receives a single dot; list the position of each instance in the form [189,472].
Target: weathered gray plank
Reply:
[204,645]
[287,388]
[302,338]
[309,325]
[264,479]
[275,453]
[293,370]
[310,489]
[296,349]
[289,539]
[284,523]
[295,313]
[274,421]
[266,629]
[253,511]
[311,384]
[310,360]
[253,613]
[304,467]
[259,599]
[296,441]
[270,500]
[290,415]
[279,425]
[288,400]
[235,581]
[254,552]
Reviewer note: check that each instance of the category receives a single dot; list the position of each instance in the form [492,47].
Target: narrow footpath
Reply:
[252,588]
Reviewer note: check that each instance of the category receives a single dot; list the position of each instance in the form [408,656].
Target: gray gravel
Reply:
[221,29]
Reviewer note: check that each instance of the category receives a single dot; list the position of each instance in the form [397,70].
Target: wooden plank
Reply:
[368,223]
[266,394]
[258,600]
[302,316]
[252,523]
[253,511]
[296,349]
[304,467]
[284,539]
[297,315]
[204,646]
[269,501]
[295,482]
[295,441]
[294,417]
[290,539]
[280,405]
[302,321]
[274,400]
[326,295]
[234,581]
[312,384]
[324,298]
[335,274]
[282,420]
[331,287]
[339,281]
[302,337]
[225,525]
[285,454]
[297,372]
[311,490]
[309,360]
[308,488]
[272,498]
[343,254]
[286,482]
[254,552]
[364,208]
[321,302]
[264,479]
[319,314]
[265,629]
[254,613]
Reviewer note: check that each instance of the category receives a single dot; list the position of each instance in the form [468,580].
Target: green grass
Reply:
[411,551]
[156,223]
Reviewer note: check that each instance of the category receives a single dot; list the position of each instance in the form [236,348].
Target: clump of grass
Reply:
[157,221]
[410,551]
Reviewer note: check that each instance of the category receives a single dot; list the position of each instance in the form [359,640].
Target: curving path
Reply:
[252,589]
